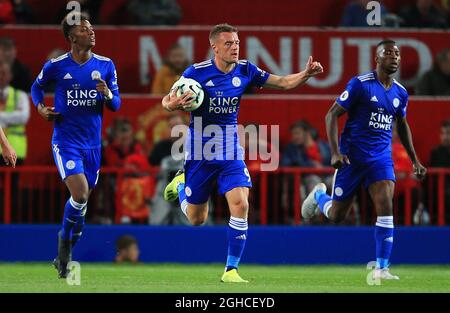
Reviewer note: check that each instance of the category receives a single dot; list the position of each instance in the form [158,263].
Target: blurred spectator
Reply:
[436,82]
[445,4]
[423,14]
[127,250]
[164,212]
[7,12]
[134,190]
[355,14]
[323,145]
[302,151]
[122,143]
[21,73]
[440,157]
[154,12]
[405,179]
[121,150]
[22,12]
[90,8]
[14,112]
[258,150]
[164,147]
[175,63]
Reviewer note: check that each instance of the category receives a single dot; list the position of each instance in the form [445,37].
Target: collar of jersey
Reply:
[378,81]
[70,56]
[223,73]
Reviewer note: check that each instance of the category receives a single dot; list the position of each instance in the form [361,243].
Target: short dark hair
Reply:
[66,26]
[6,43]
[443,55]
[445,124]
[385,42]
[301,124]
[221,28]
[124,242]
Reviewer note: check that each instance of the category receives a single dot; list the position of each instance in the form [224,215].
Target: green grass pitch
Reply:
[156,278]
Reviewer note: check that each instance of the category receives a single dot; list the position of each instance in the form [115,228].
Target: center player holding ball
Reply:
[223,80]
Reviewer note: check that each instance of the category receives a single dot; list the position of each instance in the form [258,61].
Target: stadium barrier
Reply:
[266,244]
[35,194]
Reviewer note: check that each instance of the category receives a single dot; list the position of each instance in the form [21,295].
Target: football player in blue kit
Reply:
[372,101]
[223,79]
[85,83]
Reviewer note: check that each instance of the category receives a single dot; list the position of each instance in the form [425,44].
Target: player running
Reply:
[224,79]
[85,83]
[373,101]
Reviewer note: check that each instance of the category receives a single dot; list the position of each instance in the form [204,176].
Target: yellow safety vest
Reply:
[15,133]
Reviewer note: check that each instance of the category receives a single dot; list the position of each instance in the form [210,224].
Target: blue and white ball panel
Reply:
[349,177]
[200,177]
[70,161]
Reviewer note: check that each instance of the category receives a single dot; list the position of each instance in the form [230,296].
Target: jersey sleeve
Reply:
[111,80]
[189,72]
[257,76]
[47,74]
[403,106]
[351,94]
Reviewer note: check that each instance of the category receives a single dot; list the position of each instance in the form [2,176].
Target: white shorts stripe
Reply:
[60,164]
[334,181]
[96,180]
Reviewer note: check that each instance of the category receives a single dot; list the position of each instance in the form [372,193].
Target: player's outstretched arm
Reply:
[171,102]
[294,80]
[9,155]
[404,133]
[331,122]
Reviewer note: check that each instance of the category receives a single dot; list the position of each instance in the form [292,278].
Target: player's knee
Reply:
[240,206]
[197,220]
[81,197]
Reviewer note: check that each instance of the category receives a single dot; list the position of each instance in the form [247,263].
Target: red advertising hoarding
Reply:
[139,52]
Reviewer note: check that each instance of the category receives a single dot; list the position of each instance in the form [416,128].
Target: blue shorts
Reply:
[201,174]
[349,177]
[70,161]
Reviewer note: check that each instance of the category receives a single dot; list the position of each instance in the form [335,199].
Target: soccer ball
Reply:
[184,85]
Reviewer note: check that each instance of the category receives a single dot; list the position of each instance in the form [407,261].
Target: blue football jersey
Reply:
[77,100]
[371,109]
[220,107]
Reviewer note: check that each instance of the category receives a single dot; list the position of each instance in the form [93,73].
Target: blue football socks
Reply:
[237,237]
[384,240]
[72,212]
[324,201]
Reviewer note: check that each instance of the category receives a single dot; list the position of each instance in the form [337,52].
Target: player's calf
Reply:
[197,214]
